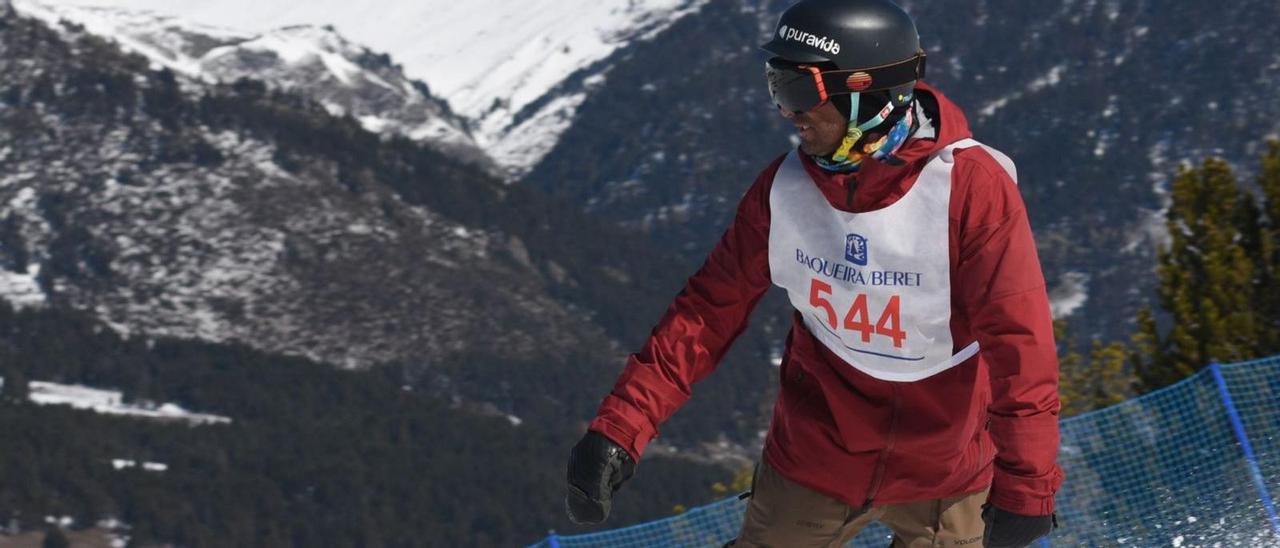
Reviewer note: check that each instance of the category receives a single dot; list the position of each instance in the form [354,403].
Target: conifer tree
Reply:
[1073,378]
[1259,244]
[1207,280]
[1268,297]
[1269,182]
[1112,366]
[1146,338]
[1105,377]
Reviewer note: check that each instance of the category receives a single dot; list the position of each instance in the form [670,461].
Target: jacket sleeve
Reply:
[1003,291]
[696,330]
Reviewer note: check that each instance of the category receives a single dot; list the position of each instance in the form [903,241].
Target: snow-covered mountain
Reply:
[312,61]
[239,215]
[516,71]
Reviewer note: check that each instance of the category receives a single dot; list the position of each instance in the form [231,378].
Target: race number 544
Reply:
[857,318]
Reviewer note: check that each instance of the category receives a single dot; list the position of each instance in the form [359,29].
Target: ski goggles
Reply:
[801,87]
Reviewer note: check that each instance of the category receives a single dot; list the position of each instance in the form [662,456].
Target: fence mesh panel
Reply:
[1255,390]
[1168,468]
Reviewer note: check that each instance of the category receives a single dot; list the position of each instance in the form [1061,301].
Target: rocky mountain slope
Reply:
[312,61]
[233,218]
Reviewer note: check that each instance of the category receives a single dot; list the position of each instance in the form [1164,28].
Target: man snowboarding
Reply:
[919,381]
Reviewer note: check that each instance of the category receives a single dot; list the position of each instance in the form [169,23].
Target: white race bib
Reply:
[873,287]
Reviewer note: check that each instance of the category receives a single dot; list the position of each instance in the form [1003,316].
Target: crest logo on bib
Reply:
[855,249]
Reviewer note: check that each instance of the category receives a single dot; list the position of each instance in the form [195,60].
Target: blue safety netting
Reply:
[1192,464]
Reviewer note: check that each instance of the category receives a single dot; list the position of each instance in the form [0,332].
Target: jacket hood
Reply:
[949,124]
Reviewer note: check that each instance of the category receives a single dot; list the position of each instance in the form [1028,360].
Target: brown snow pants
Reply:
[782,514]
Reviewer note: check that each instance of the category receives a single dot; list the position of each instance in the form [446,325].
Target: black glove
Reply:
[1010,530]
[597,468]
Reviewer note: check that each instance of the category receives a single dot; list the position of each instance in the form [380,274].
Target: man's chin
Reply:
[816,150]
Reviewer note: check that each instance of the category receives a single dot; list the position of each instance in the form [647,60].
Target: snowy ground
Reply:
[1069,294]
[121,464]
[20,288]
[111,402]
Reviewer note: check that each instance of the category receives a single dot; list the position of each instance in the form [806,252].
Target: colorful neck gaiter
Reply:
[880,149]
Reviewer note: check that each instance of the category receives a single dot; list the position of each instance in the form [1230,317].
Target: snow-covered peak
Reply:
[314,61]
[305,44]
[162,39]
[471,52]
[500,64]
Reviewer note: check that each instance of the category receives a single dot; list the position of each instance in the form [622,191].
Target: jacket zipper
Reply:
[878,477]
[849,187]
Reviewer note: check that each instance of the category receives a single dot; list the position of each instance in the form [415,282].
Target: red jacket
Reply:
[992,420]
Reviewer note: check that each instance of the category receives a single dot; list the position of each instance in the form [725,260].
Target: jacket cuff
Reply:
[1027,496]
[625,425]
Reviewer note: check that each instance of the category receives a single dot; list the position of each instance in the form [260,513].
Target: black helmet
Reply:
[875,40]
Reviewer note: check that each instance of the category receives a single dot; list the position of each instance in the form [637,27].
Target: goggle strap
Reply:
[822,86]
[842,152]
[876,120]
[855,131]
[874,78]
